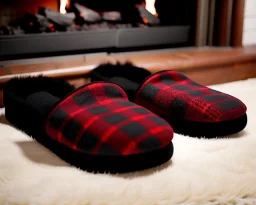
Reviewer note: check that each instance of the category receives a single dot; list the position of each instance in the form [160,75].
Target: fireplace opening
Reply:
[50,26]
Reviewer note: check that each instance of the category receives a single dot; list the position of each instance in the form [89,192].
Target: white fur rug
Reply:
[207,172]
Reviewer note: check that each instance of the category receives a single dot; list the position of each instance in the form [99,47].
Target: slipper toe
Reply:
[182,101]
[99,120]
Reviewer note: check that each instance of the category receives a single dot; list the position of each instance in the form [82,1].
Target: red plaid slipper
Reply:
[94,127]
[190,108]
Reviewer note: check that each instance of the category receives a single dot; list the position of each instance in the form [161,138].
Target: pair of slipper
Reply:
[124,120]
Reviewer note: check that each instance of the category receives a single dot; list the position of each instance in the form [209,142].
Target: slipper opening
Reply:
[39,92]
[126,75]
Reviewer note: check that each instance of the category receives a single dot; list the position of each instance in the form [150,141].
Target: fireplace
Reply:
[55,27]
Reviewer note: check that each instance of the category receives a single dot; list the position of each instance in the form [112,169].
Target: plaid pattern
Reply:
[170,93]
[98,119]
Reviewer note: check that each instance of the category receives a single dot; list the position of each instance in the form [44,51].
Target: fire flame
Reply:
[150,6]
[63,4]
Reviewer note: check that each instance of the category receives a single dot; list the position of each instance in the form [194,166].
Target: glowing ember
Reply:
[63,4]
[145,20]
[150,6]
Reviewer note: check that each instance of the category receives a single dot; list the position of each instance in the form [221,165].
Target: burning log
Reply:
[111,16]
[147,17]
[10,30]
[35,23]
[87,14]
[62,20]
[75,27]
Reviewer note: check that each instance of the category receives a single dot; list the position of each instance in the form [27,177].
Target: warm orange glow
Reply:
[51,27]
[145,20]
[150,6]
[63,4]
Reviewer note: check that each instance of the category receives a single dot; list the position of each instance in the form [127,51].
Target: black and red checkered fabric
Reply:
[170,93]
[98,119]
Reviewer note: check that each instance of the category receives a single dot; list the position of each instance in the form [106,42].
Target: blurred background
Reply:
[56,27]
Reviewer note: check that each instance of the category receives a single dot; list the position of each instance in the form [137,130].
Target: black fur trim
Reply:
[128,76]
[107,70]
[23,86]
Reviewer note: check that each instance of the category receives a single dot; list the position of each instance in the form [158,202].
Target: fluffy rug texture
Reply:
[208,172]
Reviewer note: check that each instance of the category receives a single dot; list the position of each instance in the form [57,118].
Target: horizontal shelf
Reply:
[85,40]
